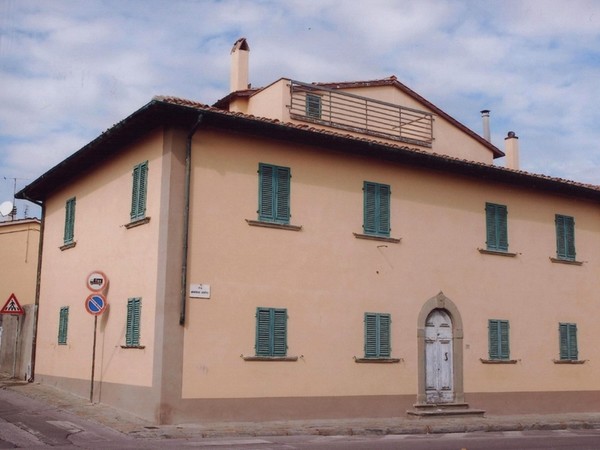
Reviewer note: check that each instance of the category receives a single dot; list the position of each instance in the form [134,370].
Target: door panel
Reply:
[438,358]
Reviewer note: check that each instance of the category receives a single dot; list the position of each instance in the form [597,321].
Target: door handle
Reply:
[446,356]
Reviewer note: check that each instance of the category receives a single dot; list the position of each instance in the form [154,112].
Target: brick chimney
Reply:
[511,149]
[239,65]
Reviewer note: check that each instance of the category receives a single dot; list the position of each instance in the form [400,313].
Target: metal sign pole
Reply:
[93,361]
[16,347]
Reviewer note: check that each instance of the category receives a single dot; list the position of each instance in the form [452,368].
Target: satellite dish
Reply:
[6,208]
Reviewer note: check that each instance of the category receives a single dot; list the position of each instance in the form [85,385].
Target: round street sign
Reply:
[95,304]
[96,281]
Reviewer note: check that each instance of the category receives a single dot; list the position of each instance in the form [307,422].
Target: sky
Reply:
[70,69]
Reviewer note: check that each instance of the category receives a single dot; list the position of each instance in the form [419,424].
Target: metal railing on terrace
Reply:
[337,109]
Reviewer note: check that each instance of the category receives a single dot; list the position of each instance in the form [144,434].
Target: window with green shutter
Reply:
[69,234]
[496,227]
[313,106]
[274,193]
[377,335]
[63,324]
[498,339]
[565,237]
[568,341]
[132,332]
[376,212]
[138,195]
[271,332]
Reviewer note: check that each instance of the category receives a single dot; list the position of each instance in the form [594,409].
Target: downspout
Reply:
[38,283]
[186,218]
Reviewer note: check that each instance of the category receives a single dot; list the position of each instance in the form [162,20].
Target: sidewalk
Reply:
[134,426]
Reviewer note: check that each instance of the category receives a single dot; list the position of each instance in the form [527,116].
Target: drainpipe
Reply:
[186,217]
[37,286]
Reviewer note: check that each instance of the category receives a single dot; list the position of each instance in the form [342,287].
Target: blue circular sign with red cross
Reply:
[95,304]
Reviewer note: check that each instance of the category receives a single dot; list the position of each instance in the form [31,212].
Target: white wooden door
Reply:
[438,358]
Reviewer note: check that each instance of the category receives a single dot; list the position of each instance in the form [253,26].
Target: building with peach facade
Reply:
[314,250]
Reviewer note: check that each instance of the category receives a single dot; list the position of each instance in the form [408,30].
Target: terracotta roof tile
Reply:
[499,169]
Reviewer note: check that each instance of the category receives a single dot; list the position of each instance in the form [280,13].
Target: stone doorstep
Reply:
[444,410]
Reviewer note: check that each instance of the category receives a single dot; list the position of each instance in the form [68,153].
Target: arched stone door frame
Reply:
[440,301]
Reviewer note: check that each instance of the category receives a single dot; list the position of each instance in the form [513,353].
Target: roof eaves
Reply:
[183,112]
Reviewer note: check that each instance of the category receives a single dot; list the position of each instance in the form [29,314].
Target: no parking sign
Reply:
[95,304]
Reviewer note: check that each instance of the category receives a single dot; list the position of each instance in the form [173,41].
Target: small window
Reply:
[496,227]
[132,333]
[498,339]
[271,332]
[565,237]
[568,341]
[69,221]
[313,106]
[377,335]
[63,324]
[138,196]
[376,212]
[274,193]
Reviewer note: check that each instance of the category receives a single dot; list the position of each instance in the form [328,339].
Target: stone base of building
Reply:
[144,402]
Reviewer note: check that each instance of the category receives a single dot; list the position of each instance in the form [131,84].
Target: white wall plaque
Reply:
[199,290]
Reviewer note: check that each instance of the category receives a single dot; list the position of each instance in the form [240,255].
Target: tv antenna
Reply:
[9,208]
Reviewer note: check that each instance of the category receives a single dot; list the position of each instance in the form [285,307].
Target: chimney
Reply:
[239,65]
[511,149]
[485,117]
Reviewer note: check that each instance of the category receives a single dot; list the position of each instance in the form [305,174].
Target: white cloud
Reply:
[71,69]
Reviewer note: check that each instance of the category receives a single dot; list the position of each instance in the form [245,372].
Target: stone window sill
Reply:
[376,360]
[67,246]
[498,361]
[133,346]
[566,261]
[373,237]
[569,361]
[484,251]
[270,358]
[137,223]
[279,226]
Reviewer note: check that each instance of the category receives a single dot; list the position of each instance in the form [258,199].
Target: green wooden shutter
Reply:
[271,332]
[565,237]
[265,192]
[376,208]
[132,334]
[384,335]
[494,339]
[313,106]
[370,335]
[69,221]
[568,341]
[283,195]
[279,332]
[504,342]
[377,335]
[139,190]
[384,210]
[370,208]
[498,339]
[63,324]
[496,227]
[274,193]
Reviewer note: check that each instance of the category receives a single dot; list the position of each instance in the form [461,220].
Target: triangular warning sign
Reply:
[12,306]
